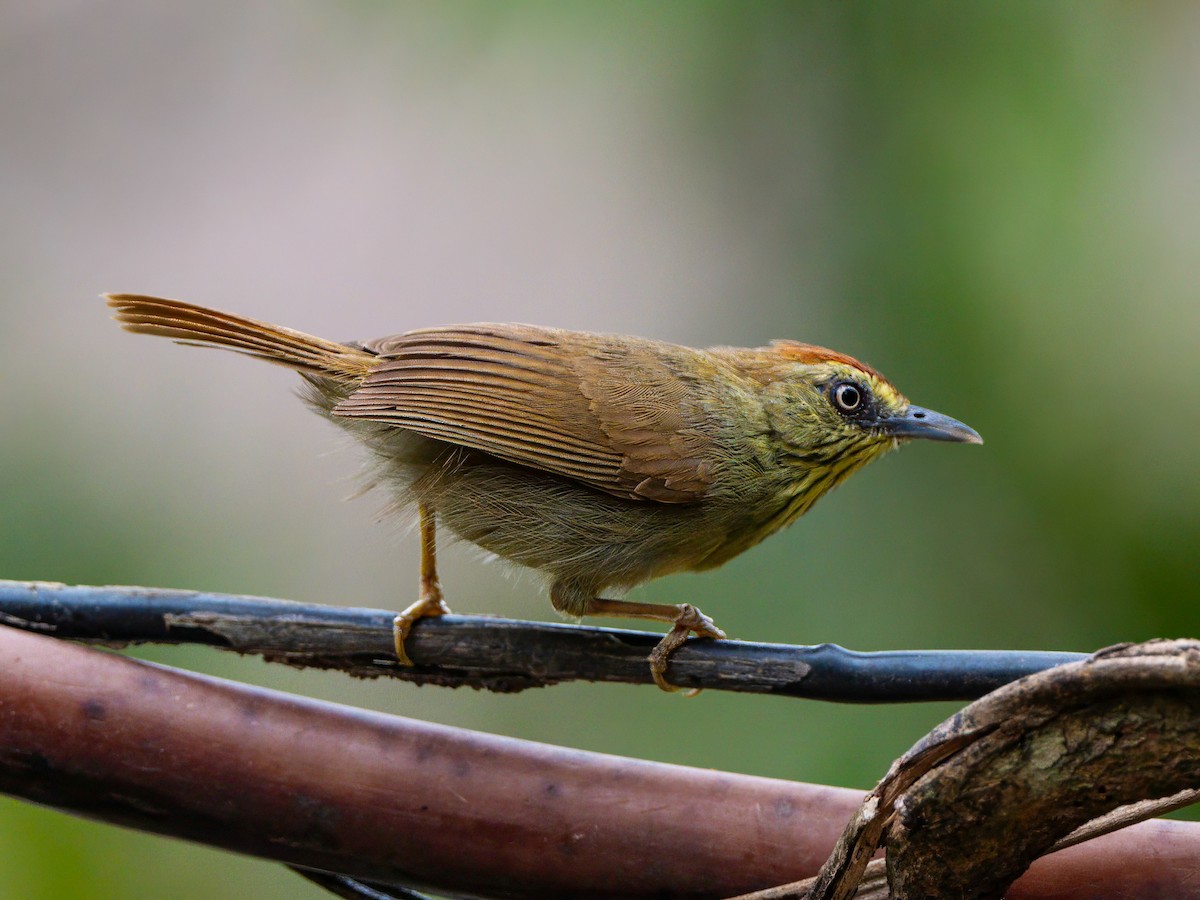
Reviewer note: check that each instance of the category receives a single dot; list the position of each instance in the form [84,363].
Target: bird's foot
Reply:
[429,604]
[687,621]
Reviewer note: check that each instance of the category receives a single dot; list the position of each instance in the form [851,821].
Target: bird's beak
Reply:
[916,422]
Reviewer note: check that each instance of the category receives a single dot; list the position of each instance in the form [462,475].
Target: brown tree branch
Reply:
[401,802]
[383,798]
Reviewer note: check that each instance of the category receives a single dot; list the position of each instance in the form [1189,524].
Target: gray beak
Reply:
[917,422]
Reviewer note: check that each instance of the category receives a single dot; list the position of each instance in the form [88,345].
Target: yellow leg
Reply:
[684,618]
[429,599]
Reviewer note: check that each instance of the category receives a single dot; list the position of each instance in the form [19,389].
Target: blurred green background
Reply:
[996,204]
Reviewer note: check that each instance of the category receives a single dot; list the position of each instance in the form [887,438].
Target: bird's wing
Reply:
[583,406]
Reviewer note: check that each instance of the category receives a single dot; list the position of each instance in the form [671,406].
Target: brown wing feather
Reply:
[647,407]
[604,411]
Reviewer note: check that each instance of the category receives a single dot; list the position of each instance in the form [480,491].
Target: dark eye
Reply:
[848,397]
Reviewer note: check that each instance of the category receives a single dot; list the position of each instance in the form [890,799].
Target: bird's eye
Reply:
[848,397]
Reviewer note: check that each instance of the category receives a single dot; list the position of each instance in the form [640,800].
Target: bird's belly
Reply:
[570,531]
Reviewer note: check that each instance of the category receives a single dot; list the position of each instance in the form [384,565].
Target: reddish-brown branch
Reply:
[395,800]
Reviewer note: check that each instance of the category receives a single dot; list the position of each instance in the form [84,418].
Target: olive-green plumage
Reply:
[601,460]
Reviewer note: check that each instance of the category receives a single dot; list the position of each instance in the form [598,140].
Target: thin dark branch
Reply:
[501,654]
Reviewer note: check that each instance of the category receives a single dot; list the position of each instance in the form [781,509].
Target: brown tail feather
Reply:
[189,323]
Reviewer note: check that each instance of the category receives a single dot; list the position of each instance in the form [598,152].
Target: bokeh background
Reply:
[996,204]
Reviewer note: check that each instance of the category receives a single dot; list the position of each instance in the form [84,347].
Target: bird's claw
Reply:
[429,604]
[689,620]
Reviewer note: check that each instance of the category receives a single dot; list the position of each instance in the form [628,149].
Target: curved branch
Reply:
[501,654]
[1037,765]
[1047,756]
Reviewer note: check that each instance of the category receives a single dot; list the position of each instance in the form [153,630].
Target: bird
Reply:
[600,460]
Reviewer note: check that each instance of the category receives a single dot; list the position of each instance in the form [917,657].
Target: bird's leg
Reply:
[683,617]
[429,599]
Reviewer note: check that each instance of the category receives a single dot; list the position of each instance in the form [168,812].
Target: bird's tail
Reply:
[191,324]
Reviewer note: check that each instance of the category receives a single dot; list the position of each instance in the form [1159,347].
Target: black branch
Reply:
[501,654]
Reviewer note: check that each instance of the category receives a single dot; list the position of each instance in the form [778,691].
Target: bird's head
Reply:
[833,414]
